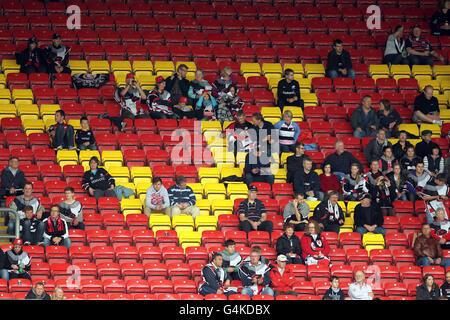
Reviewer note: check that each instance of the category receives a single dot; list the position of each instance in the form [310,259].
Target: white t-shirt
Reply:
[357,293]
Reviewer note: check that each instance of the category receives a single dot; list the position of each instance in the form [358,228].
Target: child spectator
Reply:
[84,137]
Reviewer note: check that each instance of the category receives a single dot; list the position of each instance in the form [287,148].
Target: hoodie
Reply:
[155,198]
[234,260]
[385,164]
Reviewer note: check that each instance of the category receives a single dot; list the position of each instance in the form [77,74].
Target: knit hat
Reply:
[18,242]
[183,100]
[32,40]
[159,79]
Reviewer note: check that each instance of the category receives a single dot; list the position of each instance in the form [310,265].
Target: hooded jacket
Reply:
[374,149]
[155,198]
[213,277]
[287,245]
[9,180]
[334,60]
[282,283]
[160,102]
[385,165]
[13,258]
[234,260]
[334,295]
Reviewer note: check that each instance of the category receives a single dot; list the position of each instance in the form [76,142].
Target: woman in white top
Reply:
[395,52]
[359,290]
[72,210]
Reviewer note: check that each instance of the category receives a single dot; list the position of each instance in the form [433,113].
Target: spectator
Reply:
[426,107]
[263,131]
[428,290]
[354,185]
[426,146]
[229,105]
[296,212]
[383,193]
[373,174]
[177,84]
[307,181]
[440,229]
[84,137]
[288,92]
[389,118]
[3,271]
[328,214]
[32,228]
[419,49]
[359,290]
[282,278]
[231,259]
[445,287]
[17,262]
[387,160]
[38,293]
[368,217]
[374,149]
[58,56]
[334,292]
[255,275]
[157,198]
[19,204]
[184,111]
[61,132]
[416,181]
[182,199]
[441,19]
[208,105]
[97,181]
[428,250]
[160,101]
[435,193]
[58,294]
[341,161]
[294,163]
[252,213]
[434,162]
[56,232]
[257,168]
[409,160]
[71,210]
[395,51]
[399,149]
[339,63]
[315,248]
[398,181]
[197,86]
[32,59]
[238,136]
[289,132]
[329,182]
[364,119]
[214,278]
[221,85]
[289,245]
[13,179]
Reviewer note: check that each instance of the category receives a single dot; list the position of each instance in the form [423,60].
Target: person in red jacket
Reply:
[315,248]
[282,277]
[329,182]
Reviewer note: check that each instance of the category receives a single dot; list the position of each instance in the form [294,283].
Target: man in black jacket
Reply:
[368,217]
[289,91]
[399,149]
[257,168]
[261,133]
[13,179]
[374,149]
[38,293]
[177,84]
[252,213]
[364,119]
[215,279]
[339,63]
[294,163]
[307,181]
[425,147]
[84,137]
[33,59]
[329,214]
[341,161]
[97,181]
[426,107]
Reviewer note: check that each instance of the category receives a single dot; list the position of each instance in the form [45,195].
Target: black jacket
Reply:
[339,62]
[10,181]
[401,186]
[374,150]
[100,180]
[426,106]
[424,149]
[2,259]
[445,290]
[334,296]
[342,162]
[357,119]
[399,151]
[409,165]
[384,121]
[323,216]
[424,294]
[439,19]
[286,245]
[294,164]
[307,182]
[184,85]
[31,295]
[84,136]
[25,58]
[370,216]
[287,90]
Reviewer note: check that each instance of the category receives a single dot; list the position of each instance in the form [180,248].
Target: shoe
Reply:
[124,124]
[59,148]
[72,148]
[40,243]
[27,243]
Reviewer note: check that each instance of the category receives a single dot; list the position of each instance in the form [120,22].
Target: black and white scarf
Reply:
[333,209]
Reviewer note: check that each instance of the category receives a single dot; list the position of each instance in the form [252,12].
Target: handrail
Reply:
[17,226]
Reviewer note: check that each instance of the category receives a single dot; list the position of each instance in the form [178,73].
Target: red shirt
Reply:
[283,282]
[329,183]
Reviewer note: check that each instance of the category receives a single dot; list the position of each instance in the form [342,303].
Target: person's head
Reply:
[440,179]
[416,31]
[374,166]
[58,294]
[129,78]
[28,212]
[54,211]
[435,151]
[402,136]
[32,43]
[217,259]
[56,39]
[300,197]
[366,200]
[69,192]
[289,74]
[199,75]
[307,163]
[182,70]
[93,163]
[354,169]
[410,151]
[255,255]
[447,274]
[381,135]
[420,167]
[299,148]
[60,116]
[289,229]
[445,4]
[181,182]
[226,72]
[230,246]
[397,168]
[426,135]
[14,162]
[440,214]
[339,146]
[28,190]
[281,261]
[426,229]
[312,227]
[399,30]
[84,123]
[240,116]
[366,102]
[182,102]
[160,83]
[359,276]
[287,116]
[157,183]
[257,118]
[334,281]
[428,91]
[333,197]
[338,46]
[39,288]
[232,90]
[387,151]
[385,105]
[327,168]
[206,94]
[428,280]
[17,245]
[252,193]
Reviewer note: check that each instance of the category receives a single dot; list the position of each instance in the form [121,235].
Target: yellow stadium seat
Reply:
[237,190]
[113,156]
[183,223]
[120,174]
[2,81]
[296,67]
[435,129]
[379,70]
[204,205]
[33,126]
[297,112]
[5,96]
[86,155]
[159,222]
[305,86]
[280,175]
[250,69]
[422,71]
[189,239]
[128,185]
[27,111]
[211,125]
[222,206]
[78,66]
[435,83]
[214,191]
[310,99]
[98,66]
[208,175]
[141,188]
[203,223]
[142,66]
[371,239]
[351,207]
[10,66]
[120,66]
[271,113]
[284,157]
[120,77]
[409,127]
[147,81]
[316,69]
[442,100]
[198,190]
[226,172]
[398,71]
[75,123]
[312,205]
[414,141]
[163,66]
[66,157]
[273,82]
[445,115]
[7,110]
[128,206]
[348,225]
[48,110]
[22,96]
[441,70]
[138,173]
[445,84]
[271,68]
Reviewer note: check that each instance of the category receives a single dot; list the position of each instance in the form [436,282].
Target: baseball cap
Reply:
[18,242]
[183,100]
[253,188]
[130,76]
[32,40]
[425,132]
[282,258]
[56,36]
[159,79]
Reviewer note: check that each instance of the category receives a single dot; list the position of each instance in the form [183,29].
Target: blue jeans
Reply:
[4,274]
[207,290]
[64,242]
[340,175]
[265,291]
[33,237]
[63,137]
[90,147]
[424,262]
[335,74]
[403,197]
[362,231]
[362,134]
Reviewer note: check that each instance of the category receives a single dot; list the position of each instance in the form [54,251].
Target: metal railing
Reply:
[17,224]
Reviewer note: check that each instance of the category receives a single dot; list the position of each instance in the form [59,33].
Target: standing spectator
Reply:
[416,181]
[157,198]
[329,182]
[328,214]
[182,199]
[58,56]
[58,294]
[296,212]
[339,63]
[434,194]
[428,290]
[395,51]
[354,185]
[17,262]
[71,210]
[364,119]
[32,59]
[425,147]
[399,149]
[257,168]
[56,232]
[374,149]
[252,213]
[359,290]
[434,162]
[238,136]
[373,174]
[84,138]
[13,179]
[307,181]
[263,128]
[398,181]
[289,245]
[288,92]
[208,105]
[97,181]
[231,259]
[221,85]
[334,292]
[229,105]
[426,107]
[177,84]
[383,193]
[409,160]
[289,132]
[420,49]
[387,160]
[389,118]
[445,287]
[440,229]
[294,163]
[282,278]
[368,217]
[38,293]
[214,278]
[197,86]
[341,161]
[160,101]
[315,248]
[32,228]
[441,19]
[61,132]
[255,276]
[428,250]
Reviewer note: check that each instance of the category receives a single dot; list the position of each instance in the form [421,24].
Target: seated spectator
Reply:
[32,229]
[364,119]
[263,131]
[409,160]
[288,92]
[257,168]
[13,179]
[374,149]
[388,118]
[387,160]
[315,248]
[252,213]
[58,294]
[3,272]
[395,51]
[289,245]
[282,278]
[185,111]
[231,259]
[237,134]
[58,56]
[208,105]
[419,49]
[383,194]
[440,228]
[307,181]
[296,212]
[341,161]
[294,163]
[221,85]
[255,276]
[359,290]
[368,217]
[56,232]
[38,293]
[61,132]
[197,86]
[214,278]
[445,287]
[229,105]
[84,138]
[416,181]
[17,263]
[428,290]
[157,198]
[434,162]
[182,199]
[329,182]
[97,181]
[177,84]
[288,132]
[441,19]
[328,214]
[425,147]
[373,174]
[426,107]
[160,101]
[399,149]
[339,63]
[435,193]
[71,210]
[334,292]
[398,181]
[427,249]
[354,185]
[33,59]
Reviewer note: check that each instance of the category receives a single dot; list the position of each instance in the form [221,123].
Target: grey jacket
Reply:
[374,150]
[155,198]
[357,119]
[393,46]
[289,210]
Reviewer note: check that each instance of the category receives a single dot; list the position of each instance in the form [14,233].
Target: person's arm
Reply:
[441,165]
[192,198]
[85,183]
[296,130]
[200,102]
[213,101]
[124,91]
[368,150]
[326,247]
[210,278]
[297,89]
[148,201]
[191,93]
[357,216]
[165,195]
[332,61]
[110,179]
[316,184]
[306,247]
[171,196]
[280,96]
[354,121]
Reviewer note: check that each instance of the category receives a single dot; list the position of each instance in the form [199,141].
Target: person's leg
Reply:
[424,262]
[413,60]
[26,232]
[79,226]
[175,211]
[267,291]
[380,230]
[147,211]
[47,242]
[192,211]
[58,139]
[110,193]
[247,291]
[207,290]
[11,227]
[4,274]
[270,179]
[332,228]
[82,147]
[266,226]
[426,60]
[358,134]
[245,226]
[361,230]
[92,147]
[68,137]
[445,263]
[66,243]
[276,293]
[248,179]
[39,234]
[351,74]
[333,74]
[42,69]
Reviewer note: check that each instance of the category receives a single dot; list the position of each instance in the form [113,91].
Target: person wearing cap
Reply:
[289,245]
[58,56]
[185,111]
[33,59]
[399,148]
[160,101]
[197,86]
[252,213]
[425,147]
[441,19]
[177,84]
[419,49]
[257,168]
[368,217]
[282,278]
[17,262]
[288,92]
[215,280]
[208,105]
[426,107]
